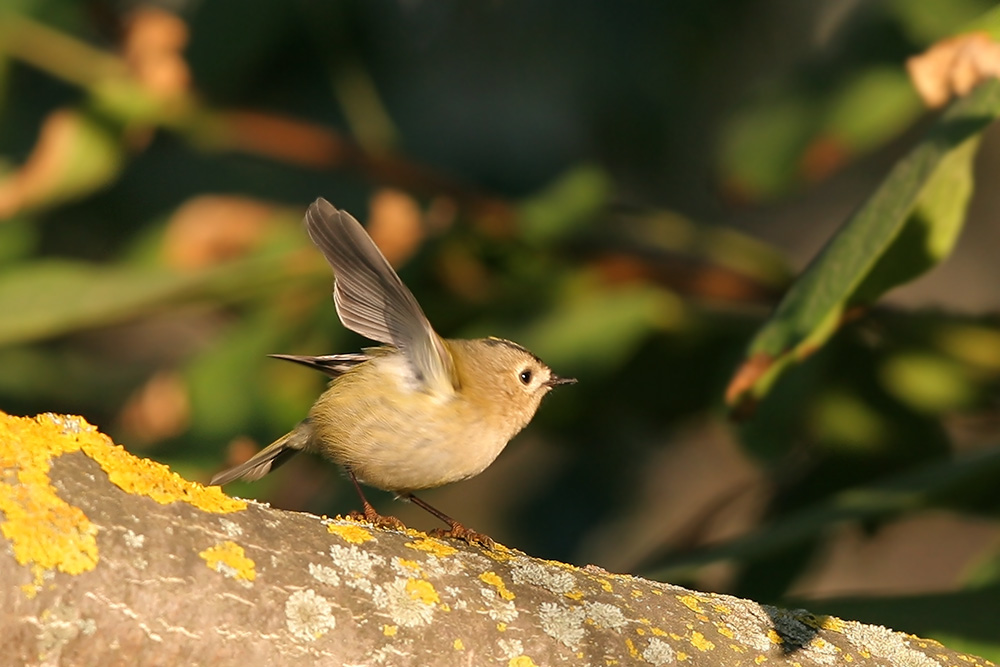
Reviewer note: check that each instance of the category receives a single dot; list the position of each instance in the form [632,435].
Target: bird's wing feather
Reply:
[371,299]
[333,365]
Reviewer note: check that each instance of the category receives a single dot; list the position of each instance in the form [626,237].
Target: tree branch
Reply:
[111,559]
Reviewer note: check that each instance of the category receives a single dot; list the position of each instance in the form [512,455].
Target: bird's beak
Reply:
[554,380]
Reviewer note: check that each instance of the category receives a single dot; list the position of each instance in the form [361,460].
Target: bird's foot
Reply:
[460,532]
[376,519]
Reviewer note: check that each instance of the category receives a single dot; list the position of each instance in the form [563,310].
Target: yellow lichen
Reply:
[458,645]
[725,631]
[432,546]
[574,595]
[47,533]
[521,661]
[636,593]
[411,565]
[390,630]
[639,631]
[775,637]
[351,533]
[682,656]
[142,477]
[691,602]
[605,584]
[632,650]
[501,627]
[499,553]
[658,632]
[420,589]
[228,557]
[760,659]
[701,642]
[494,580]
[832,623]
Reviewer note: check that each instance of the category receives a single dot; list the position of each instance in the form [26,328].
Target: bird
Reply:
[416,412]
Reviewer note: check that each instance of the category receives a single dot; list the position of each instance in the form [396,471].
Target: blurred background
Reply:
[627,189]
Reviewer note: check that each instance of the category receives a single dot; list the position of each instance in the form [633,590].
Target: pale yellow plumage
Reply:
[421,411]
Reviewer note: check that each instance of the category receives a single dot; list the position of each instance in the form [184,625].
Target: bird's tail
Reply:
[270,457]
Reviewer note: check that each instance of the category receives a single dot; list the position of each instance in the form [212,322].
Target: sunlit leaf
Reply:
[908,225]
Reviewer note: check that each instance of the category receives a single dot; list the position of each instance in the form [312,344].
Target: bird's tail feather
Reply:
[269,458]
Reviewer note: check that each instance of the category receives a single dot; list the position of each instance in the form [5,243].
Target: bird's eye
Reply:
[525,376]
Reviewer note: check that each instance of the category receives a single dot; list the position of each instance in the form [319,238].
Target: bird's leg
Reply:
[370,515]
[456,530]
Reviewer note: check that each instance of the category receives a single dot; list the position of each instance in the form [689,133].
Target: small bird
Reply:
[419,411]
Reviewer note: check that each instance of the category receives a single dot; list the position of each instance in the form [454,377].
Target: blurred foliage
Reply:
[579,178]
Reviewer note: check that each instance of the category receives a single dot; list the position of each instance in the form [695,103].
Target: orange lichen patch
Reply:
[499,553]
[494,580]
[420,589]
[701,642]
[409,564]
[351,533]
[229,558]
[834,624]
[521,661]
[691,602]
[432,546]
[44,530]
[143,477]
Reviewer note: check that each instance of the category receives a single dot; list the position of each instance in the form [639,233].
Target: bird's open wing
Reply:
[371,299]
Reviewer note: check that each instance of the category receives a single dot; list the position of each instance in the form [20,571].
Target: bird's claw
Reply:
[377,520]
[460,532]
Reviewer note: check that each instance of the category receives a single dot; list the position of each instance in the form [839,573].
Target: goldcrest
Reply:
[418,412]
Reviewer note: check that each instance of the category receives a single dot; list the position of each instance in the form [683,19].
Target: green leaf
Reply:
[907,226]
[51,298]
[54,297]
[575,198]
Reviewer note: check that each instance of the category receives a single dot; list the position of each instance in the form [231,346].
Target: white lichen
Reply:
[309,615]
[605,615]
[562,623]
[658,652]
[457,597]
[510,648]
[503,611]
[134,540]
[357,565]
[324,574]
[882,642]
[231,528]
[551,579]
[402,606]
